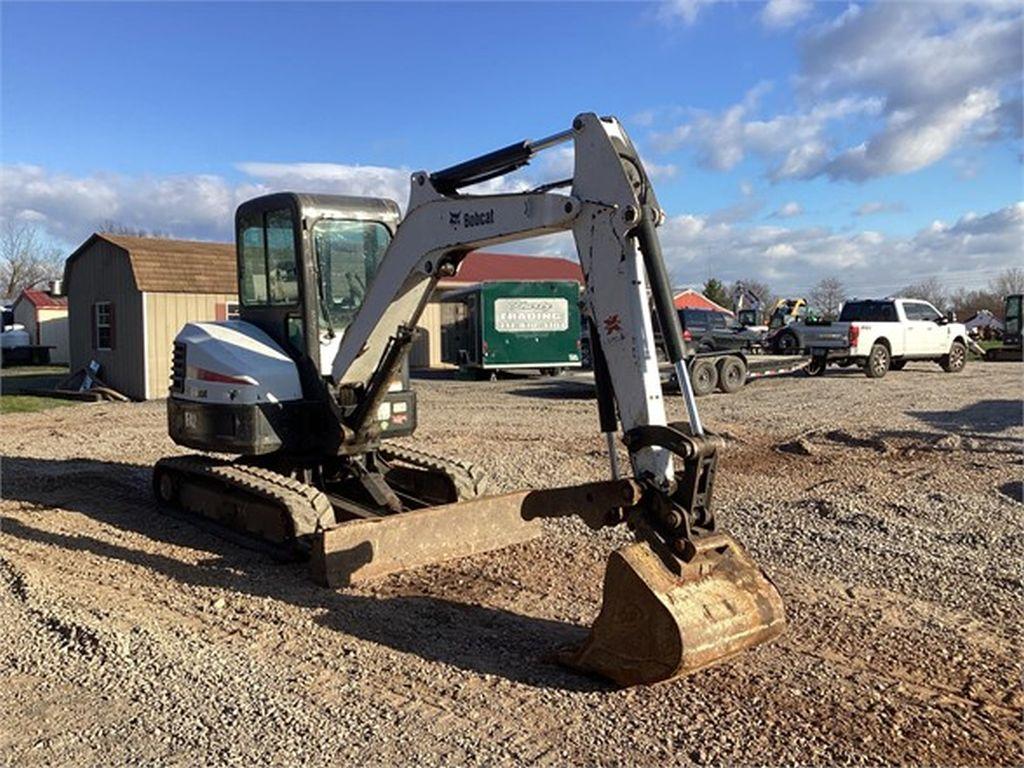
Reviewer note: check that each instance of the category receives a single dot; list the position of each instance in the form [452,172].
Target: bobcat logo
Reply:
[454,217]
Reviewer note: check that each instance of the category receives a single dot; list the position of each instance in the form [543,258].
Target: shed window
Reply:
[103,325]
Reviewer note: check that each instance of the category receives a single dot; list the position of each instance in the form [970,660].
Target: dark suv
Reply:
[705,330]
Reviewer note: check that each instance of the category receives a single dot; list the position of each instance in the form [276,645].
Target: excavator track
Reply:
[253,501]
[470,481]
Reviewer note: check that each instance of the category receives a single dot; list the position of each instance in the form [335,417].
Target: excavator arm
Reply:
[611,212]
[683,596]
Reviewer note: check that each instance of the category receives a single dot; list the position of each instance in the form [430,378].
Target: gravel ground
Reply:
[887,512]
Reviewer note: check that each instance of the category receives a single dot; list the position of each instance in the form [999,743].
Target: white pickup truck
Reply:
[884,334]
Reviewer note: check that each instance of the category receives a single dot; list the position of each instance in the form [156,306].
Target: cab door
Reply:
[346,254]
[925,337]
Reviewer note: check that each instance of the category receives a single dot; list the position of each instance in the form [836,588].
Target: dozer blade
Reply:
[655,625]
[359,550]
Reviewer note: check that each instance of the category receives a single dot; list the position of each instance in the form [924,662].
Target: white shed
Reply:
[45,317]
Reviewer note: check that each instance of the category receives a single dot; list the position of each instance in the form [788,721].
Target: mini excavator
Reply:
[307,386]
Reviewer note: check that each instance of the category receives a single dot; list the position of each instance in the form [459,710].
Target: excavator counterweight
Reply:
[311,383]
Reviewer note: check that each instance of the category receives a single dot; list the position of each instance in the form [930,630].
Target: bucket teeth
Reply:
[655,625]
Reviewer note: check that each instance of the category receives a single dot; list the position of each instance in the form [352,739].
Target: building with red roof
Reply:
[45,317]
[480,267]
[692,299]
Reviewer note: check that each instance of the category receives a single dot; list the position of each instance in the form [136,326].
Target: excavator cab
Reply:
[305,262]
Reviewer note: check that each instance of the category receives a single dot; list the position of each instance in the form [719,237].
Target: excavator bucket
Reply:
[660,618]
[656,624]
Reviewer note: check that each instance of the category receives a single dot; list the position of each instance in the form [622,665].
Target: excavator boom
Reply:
[684,596]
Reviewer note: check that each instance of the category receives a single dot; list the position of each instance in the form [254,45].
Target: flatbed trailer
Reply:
[729,372]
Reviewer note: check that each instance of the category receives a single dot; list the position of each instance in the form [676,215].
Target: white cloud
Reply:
[368,180]
[912,141]
[784,13]
[937,75]
[965,253]
[872,207]
[682,10]
[796,144]
[69,208]
[789,210]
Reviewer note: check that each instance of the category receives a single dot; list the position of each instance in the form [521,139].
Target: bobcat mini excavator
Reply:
[306,386]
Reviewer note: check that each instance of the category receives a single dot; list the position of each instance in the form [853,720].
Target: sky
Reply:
[788,141]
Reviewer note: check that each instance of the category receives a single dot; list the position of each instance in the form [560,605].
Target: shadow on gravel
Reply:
[1014,491]
[566,390]
[986,416]
[471,637]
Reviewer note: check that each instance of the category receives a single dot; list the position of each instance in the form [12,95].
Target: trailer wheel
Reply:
[817,366]
[703,377]
[732,375]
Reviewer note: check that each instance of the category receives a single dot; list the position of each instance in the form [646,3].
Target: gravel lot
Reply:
[888,512]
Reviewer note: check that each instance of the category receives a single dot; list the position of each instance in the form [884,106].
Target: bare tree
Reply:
[827,297]
[931,290]
[24,260]
[756,287]
[967,303]
[113,227]
[1010,280]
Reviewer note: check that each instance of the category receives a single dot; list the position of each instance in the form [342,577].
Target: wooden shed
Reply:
[129,296]
[45,317]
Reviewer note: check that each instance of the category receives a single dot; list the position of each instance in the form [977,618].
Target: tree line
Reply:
[27,260]
[827,296]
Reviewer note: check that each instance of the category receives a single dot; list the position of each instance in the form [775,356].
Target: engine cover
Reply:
[232,362]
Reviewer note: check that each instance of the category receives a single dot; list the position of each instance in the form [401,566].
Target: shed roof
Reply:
[42,300]
[187,266]
[691,299]
[479,266]
[173,266]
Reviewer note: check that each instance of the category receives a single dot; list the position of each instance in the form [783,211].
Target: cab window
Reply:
[269,271]
[348,254]
[918,310]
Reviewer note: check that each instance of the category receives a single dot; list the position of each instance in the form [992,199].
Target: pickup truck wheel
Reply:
[955,361]
[897,365]
[732,375]
[787,343]
[703,377]
[878,362]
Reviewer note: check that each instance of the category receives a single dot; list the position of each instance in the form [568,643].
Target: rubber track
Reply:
[307,508]
[470,481]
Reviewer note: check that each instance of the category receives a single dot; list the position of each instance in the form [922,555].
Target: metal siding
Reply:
[53,331]
[102,273]
[166,313]
[426,351]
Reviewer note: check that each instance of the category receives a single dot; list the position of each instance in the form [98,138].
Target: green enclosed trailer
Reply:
[512,324]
